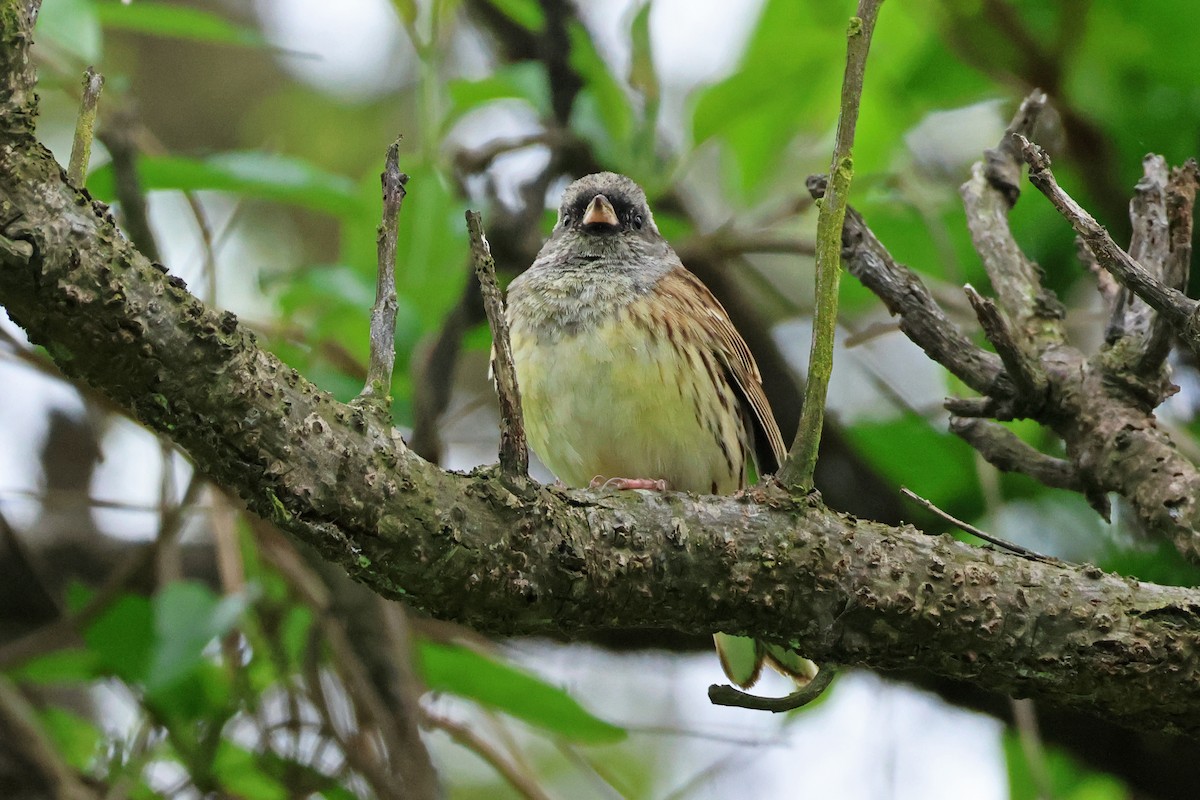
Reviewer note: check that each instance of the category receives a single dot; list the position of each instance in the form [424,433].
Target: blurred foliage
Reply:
[1055,774]
[212,679]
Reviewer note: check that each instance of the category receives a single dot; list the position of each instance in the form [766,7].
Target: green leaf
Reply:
[943,474]
[73,665]
[294,633]
[1068,780]
[78,596]
[526,13]
[123,638]
[324,284]
[238,771]
[612,104]
[187,616]
[75,738]
[466,673]
[407,9]
[524,81]
[71,26]
[641,67]
[175,21]
[782,88]
[335,792]
[203,694]
[478,339]
[252,174]
[1152,560]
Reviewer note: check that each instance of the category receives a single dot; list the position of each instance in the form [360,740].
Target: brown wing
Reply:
[698,306]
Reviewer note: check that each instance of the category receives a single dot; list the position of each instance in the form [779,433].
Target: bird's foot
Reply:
[620,484]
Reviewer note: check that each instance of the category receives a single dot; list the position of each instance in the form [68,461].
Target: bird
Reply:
[632,375]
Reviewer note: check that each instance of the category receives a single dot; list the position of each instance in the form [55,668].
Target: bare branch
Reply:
[479,159]
[1025,720]
[720,695]
[1002,165]
[1004,450]
[433,366]
[522,783]
[921,318]
[1181,312]
[514,454]
[85,124]
[403,770]
[1101,412]
[40,754]
[468,548]
[120,140]
[797,469]
[1024,370]
[1106,285]
[378,388]
[725,242]
[987,197]
[969,528]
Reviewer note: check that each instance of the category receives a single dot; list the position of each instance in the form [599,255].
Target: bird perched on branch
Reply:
[632,375]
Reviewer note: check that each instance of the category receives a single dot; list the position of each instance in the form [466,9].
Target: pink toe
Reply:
[621,484]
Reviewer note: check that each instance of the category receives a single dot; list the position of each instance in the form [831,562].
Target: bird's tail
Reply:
[742,659]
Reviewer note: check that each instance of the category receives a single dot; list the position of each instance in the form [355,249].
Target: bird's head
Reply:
[603,206]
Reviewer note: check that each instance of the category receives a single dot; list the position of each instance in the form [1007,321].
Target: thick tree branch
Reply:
[466,548]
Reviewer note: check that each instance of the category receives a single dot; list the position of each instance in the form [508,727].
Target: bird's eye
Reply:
[566,219]
[637,221]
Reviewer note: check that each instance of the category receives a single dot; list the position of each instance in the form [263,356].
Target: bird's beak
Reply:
[600,214]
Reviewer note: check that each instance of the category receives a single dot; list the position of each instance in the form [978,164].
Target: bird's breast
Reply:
[617,397]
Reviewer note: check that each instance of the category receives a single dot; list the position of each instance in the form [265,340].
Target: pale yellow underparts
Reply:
[614,400]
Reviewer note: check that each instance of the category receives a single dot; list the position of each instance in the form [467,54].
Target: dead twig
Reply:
[1180,311]
[514,454]
[1005,451]
[119,137]
[85,128]
[921,317]
[969,528]
[988,196]
[26,737]
[1020,366]
[728,696]
[378,388]
[522,783]
[403,768]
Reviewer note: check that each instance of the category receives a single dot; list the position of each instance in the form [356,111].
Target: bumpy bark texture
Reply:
[1101,406]
[508,559]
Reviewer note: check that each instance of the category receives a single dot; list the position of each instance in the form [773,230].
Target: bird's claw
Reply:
[620,484]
